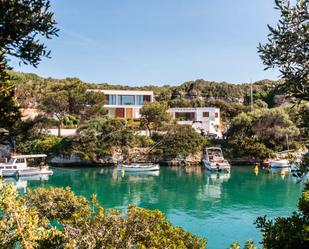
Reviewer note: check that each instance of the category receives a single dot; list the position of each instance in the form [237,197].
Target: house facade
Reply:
[125,103]
[205,120]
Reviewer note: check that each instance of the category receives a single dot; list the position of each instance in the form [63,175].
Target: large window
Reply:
[205,114]
[126,100]
[112,99]
[185,116]
[139,100]
[147,98]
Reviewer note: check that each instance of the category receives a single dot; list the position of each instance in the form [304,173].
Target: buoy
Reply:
[282,174]
[256,169]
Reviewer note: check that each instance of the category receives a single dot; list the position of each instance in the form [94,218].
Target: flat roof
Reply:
[122,92]
[29,156]
[192,109]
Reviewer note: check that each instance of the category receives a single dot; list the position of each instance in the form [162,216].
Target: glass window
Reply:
[139,100]
[147,98]
[20,160]
[216,115]
[126,100]
[111,99]
[206,114]
[185,116]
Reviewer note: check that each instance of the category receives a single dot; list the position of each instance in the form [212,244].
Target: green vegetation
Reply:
[154,115]
[101,136]
[27,222]
[23,23]
[9,110]
[71,98]
[287,48]
[261,133]
[179,141]
[275,232]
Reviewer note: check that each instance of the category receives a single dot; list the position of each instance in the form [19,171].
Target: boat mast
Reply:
[251,97]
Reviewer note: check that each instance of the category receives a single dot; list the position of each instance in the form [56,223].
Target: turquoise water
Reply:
[221,208]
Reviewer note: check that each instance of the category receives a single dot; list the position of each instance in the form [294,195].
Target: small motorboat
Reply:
[18,166]
[214,160]
[139,167]
[283,163]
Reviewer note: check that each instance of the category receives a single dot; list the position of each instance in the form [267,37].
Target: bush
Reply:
[50,145]
[180,141]
[26,223]
[289,232]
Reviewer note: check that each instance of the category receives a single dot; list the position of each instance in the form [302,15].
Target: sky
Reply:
[142,42]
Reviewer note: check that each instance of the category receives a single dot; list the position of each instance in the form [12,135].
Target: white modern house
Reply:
[203,119]
[125,103]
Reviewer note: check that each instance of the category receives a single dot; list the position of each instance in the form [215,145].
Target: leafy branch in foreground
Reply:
[287,47]
[26,221]
[287,232]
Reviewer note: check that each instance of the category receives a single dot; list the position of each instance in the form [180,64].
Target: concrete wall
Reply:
[64,132]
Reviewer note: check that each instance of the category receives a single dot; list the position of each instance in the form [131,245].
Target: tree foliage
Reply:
[155,115]
[287,232]
[179,141]
[262,132]
[99,136]
[9,109]
[71,97]
[27,222]
[22,24]
[287,47]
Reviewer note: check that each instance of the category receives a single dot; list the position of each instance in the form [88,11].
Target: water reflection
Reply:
[22,182]
[207,204]
[213,185]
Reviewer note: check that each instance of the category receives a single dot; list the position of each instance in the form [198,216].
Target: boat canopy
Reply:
[213,148]
[29,156]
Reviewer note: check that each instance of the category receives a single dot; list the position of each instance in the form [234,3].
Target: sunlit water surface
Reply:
[221,208]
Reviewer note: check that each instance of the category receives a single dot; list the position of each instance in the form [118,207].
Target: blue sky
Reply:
[138,42]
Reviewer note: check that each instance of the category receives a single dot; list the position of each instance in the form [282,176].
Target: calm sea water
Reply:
[221,208]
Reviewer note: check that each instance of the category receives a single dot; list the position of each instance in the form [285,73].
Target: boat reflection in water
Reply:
[133,175]
[218,177]
[213,187]
[22,182]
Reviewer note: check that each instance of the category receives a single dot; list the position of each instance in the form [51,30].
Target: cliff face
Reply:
[136,155]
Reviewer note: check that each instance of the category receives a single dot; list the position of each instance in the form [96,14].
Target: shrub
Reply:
[26,223]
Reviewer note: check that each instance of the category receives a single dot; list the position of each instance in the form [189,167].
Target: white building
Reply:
[123,103]
[203,119]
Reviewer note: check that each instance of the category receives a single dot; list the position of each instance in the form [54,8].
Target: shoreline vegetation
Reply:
[250,136]
[273,118]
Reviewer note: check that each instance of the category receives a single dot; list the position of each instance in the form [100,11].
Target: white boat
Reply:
[283,163]
[214,160]
[18,166]
[139,167]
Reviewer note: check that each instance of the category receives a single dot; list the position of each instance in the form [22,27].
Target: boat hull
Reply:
[29,171]
[280,164]
[216,166]
[136,168]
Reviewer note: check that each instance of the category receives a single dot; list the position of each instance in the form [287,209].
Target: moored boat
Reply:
[214,160]
[283,163]
[18,166]
[139,167]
